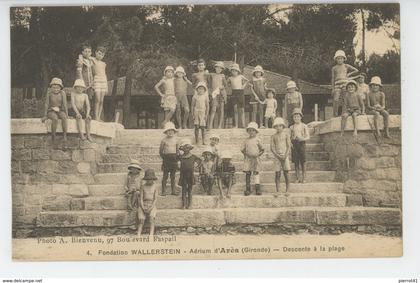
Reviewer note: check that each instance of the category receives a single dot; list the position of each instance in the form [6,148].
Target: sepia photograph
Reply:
[233,131]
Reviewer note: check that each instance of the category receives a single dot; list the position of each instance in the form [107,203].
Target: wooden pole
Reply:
[316,111]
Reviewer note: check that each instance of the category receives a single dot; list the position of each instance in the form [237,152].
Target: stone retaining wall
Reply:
[43,176]
[368,166]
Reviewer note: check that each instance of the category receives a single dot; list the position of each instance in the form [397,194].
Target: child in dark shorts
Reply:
[225,173]
[132,184]
[238,83]
[353,106]
[299,136]
[208,170]
[169,152]
[186,178]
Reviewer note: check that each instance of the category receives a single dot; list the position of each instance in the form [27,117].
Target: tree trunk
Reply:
[126,101]
[363,40]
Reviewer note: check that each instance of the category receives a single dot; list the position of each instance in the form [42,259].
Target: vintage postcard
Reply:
[206,131]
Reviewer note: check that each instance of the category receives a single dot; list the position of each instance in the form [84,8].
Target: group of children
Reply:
[87,97]
[216,167]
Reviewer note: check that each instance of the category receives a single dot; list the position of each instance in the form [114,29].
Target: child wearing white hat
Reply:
[353,106]
[218,86]
[238,82]
[376,105]
[200,108]
[56,108]
[258,89]
[280,146]
[169,151]
[168,101]
[271,106]
[340,73]
[132,184]
[80,108]
[299,135]
[181,83]
[252,149]
[292,100]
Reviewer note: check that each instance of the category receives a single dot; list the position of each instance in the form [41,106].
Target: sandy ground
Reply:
[205,247]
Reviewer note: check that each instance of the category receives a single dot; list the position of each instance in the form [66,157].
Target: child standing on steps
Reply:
[168,101]
[169,152]
[214,145]
[340,73]
[132,184]
[200,108]
[252,149]
[56,108]
[181,83]
[293,99]
[147,201]
[271,108]
[186,178]
[238,83]
[280,146]
[353,106]
[225,173]
[376,105]
[258,88]
[80,107]
[218,85]
[300,134]
[208,170]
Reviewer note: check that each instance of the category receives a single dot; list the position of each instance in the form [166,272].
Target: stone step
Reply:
[226,216]
[266,166]
[205,202]
[237,156]
[265,177]
[238,188]
[154,149]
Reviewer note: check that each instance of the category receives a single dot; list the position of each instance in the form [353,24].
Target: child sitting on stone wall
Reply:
[80,108]
[376,105]
[56,108]
[353,106]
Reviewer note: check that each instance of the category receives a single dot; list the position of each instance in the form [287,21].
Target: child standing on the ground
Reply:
[300,134]
[168,101]
[186,178]
[169,152]
[271,108]
[80,107]
[200,108]
[363,88]
[208,170]
[56,108]
[238,83]
[258,88]
[340,74]
[84,71]
[293,99]
[280,146]
[218,85]
[132,184]
[225,173]
[353,105]
[100,81]
[181,83]
[147,200]
[376,105]
[252,149]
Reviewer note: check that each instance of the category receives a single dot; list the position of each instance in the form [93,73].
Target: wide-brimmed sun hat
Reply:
[186,142]
[353,82]
[340,53]
[235,67]
[169,126]
[270,90]
[279,122]
[149,174]
[291,84]
[375,81]
[79,83]
[214,135]
[134,164]
[258,68]
[219,64]
[180,69]
[297,111]
[252,125]
[57,81]
[208,149]
[168,68]
[201,84]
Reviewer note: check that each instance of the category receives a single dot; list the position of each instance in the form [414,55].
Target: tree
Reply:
[388,66]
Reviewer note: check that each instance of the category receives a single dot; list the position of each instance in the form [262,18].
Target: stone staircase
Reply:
[321,202]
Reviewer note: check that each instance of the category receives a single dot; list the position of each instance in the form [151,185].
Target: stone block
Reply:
[379,185]
[385,162]
[33,199]
[60,189]
[89,155]
[18,199]
[77,155]
[60,155]
[381,198]
[269,215]
[354,200]
[20,178]
[193,218]
[78,190]
[41,154]
[106,203]
[28,126]
[359,216]
[83,167]
[47,166]
[77,179]
[15,166]
[38,189]
[21,154]
[388,174]
[29,166]
[77,204]
[35,141]
[66,167]
[366,163]
[56,203]
[17,141]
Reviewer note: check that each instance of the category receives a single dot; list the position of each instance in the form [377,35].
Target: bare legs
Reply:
[344,121]
[385,114]
[53,116]
[99,104]
[182,123]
